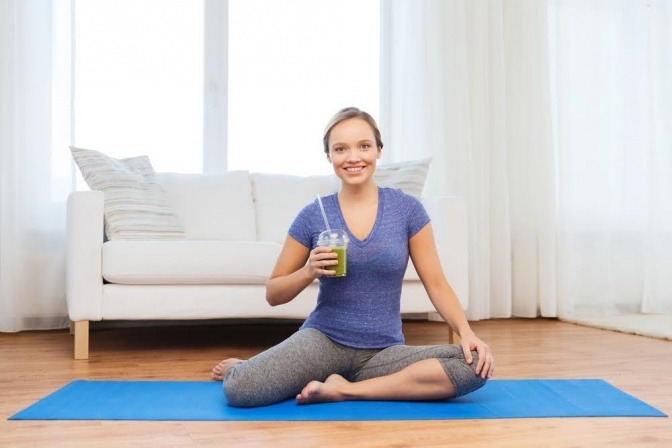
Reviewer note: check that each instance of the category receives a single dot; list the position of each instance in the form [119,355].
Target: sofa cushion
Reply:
[409,177]
[212,206]
[188,262]
[135,207]
[279,198]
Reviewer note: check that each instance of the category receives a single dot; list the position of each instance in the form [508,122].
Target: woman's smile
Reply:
[354,169]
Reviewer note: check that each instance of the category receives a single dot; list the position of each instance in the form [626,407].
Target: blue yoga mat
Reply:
[201,400]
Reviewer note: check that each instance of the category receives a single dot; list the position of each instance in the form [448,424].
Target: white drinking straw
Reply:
[324,214]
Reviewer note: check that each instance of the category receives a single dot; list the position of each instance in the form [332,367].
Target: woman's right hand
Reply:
[319,261]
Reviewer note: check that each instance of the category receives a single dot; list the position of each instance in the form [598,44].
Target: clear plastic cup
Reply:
[338,241]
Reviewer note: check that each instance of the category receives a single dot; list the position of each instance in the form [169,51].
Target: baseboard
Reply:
[651,325]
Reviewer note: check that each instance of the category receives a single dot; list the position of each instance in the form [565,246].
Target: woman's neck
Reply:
[361,194]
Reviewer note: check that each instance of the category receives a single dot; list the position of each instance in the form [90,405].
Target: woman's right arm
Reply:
[292,274]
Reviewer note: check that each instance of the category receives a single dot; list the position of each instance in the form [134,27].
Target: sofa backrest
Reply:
[238,205]
[279,198]
[212,206]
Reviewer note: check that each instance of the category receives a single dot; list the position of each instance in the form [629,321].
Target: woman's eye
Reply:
[338,149]
[366,146]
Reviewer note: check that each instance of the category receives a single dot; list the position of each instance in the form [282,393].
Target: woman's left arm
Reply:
[426,261]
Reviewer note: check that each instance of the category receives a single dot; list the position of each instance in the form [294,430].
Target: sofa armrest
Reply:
[449,222]
[84,236]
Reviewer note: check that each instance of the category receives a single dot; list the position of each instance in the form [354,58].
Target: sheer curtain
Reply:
[613,109]
[35,180]
[549,117]
[462,82]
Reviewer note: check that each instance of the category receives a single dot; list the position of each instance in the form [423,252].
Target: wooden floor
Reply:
[33,364]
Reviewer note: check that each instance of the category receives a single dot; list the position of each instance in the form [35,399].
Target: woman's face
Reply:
[352,151]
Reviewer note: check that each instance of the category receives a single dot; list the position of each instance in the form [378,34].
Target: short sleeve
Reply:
[417,215]
[302,229]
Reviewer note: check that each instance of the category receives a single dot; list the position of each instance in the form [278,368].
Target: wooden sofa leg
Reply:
[453,338]
[82,339]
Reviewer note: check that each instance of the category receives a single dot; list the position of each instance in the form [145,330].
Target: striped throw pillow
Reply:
[406,176]
[136,207]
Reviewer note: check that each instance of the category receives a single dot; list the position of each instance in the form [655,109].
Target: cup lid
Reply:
[334,234]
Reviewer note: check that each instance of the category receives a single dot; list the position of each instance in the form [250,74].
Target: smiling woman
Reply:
[351,346]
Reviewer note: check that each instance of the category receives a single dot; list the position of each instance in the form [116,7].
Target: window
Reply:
[292,65]
[139,80]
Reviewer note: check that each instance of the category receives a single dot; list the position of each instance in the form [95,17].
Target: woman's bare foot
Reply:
[331,390]
[220,369]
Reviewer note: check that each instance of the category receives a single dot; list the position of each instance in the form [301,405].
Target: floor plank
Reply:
[34,364]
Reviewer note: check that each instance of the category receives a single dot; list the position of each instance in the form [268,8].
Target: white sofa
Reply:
[235,224]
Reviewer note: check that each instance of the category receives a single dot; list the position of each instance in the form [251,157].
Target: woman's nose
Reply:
[353,154]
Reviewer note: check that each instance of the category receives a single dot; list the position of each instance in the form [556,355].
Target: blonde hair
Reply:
[347,114]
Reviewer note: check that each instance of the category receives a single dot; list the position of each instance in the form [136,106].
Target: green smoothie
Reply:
[338,241]
[342,266]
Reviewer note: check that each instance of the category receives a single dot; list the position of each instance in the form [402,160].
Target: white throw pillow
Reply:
[212,206]
[135,207]
[409,177]
[279,198]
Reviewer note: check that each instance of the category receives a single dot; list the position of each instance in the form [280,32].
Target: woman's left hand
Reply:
[486,362]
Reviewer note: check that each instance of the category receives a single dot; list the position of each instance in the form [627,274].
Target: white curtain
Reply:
[613,109]
[549,118]
[34,162]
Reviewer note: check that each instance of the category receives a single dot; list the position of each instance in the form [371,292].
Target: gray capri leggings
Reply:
[284,370]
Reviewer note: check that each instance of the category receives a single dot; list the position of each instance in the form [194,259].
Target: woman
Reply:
[351,346]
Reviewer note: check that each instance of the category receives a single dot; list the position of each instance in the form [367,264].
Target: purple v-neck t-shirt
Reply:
[361,310]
